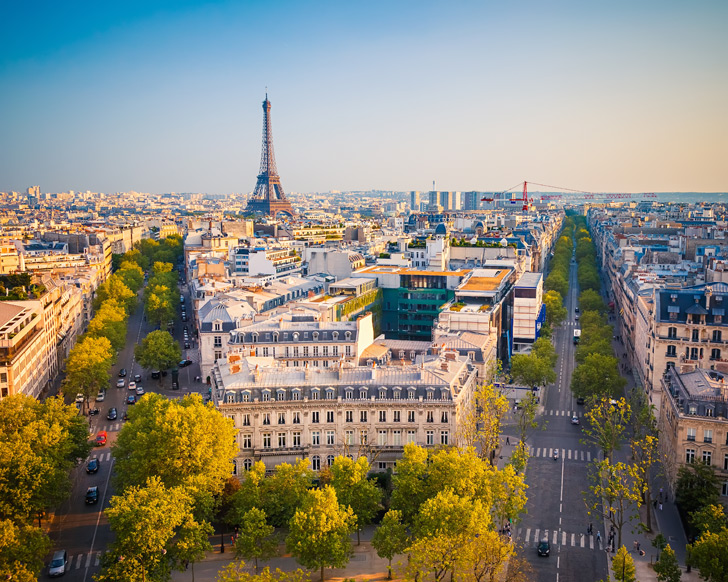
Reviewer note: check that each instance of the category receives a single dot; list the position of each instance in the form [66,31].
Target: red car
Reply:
[101,438]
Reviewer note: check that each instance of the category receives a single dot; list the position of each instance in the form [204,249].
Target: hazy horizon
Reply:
[166,97]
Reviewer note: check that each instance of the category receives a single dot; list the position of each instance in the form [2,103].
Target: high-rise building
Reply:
[415,199]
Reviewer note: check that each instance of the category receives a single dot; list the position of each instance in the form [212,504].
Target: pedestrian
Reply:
[589,529]
[508,440]
[599,536]
[660,506]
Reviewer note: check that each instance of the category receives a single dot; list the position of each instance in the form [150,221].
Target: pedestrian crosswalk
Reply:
[85,560]
[110,427]
[101,457]
[569,413]
[568,454]
[570,539]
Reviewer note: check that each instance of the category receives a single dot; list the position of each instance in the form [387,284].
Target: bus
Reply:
[577,336]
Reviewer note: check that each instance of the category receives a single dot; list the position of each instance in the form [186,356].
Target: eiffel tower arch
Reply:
[268,196]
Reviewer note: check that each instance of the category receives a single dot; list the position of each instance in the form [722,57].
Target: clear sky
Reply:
[158,96]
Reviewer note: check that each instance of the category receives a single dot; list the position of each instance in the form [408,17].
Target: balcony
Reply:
[302,450]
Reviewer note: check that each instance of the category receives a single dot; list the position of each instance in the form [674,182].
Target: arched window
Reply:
[316,463]
[335,335]
[348,335]
[295,337]
[248,464]
[235,467]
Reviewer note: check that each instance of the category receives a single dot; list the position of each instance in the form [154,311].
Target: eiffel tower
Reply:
[268,196]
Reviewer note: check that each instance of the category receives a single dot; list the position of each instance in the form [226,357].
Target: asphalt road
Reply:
[556,510]
[82,530]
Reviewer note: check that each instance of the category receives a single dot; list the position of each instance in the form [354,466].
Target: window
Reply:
[430,395]
[691,434]
[382,438]
[411,394]
[715,354]
[707,457]
[444,437]
[281,439]
[315,438]
[430,416]
[410,416]
[315,351]
[266,418]
[692,409]
[362,394]
[266,440]
[296,418]
[349,394]
[295,351]
[326,351]
[382,416]
[305,351]
[395,394]
[709,411]
[266,396]
[248,464]
[397,438]
[314,394]
[330,460]
[349,437]
[280,395]
[296,395]
[695,335]
[296,439]
[349,416]
[411,436]
[382,466]
[430,437]
[281,418]
[247,441]
[330,439]
[444,416]
[671,333]
[3,378]
[246,419]
[218,327]
[382,393]
[689,455]
[316,463]
[724,489]
[348,351]
[329,395]
[336,350]
[362,416]
[363,437]
[397,415]
[218,355]
[217,341]
[329,416]
[725,462]
[671,352]
[315,416]
[707,436]
[717,335]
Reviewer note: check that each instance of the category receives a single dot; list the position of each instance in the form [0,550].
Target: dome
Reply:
[441,229]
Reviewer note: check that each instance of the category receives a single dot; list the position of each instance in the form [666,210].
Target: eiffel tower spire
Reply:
[268,196]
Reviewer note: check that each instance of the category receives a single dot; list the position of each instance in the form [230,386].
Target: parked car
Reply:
[92,495]
[131,399]
[101,438]
[100,396]
[80,398]
[137,378]
[59,564]
[112,414]
[185,363]
[580,400]
[92,466]
[120,383]
[184,317]
[156,374]
[122,373]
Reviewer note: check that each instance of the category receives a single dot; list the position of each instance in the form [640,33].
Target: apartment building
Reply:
[284,414]
[693,426]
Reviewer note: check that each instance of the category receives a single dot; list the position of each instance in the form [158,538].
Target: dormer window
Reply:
[315,394]
[411,394]
[348,335]
[275,337]
[315,336]
[382,393]
[218,326]
[335,335]
[295,337]
[266,395]
[362,394]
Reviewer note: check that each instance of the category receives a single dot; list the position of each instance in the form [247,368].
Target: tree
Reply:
[556,281]
[145,521]
[590,300]
[614,494]
[555,310]
[532,370]
[606,423]
[544,349]
[256,539]
[114,288]
[319,531]
[667,567]
[159,308]
[480,426]
[110,322]
[390,538]
[192,543]
[181,442]
[409,491]
[484,557]
[22,548]
[353,489]
[39,444]
[132,275]
[709,518]
[158,351]
[597,377]
[160,267]
[623,566]
[285,490]
[87,366]
[237,572]
[526,416]
[710,556]
[250,494]
[696,487]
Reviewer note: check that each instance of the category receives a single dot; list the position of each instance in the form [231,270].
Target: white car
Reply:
[132,385]
[140,390]
[120,383]
[100,396]
[574,420]
[79,398]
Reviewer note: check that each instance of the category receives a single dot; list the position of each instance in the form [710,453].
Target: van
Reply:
[181,298]
[59,564]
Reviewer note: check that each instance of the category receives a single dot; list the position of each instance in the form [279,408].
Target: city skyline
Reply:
[473,96]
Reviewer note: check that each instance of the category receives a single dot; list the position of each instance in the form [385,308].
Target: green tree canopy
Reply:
[696,487]
[555,310]
[158,351]
[590,300]
[256,540]
[87,366]
[110,322]
[709,518]
[606,424]
[556,281]
[115,288]
[181,442]
[710,556]
[597,377]
[319,531]
[667,567]
[22,548]
[390,538]
[285,490]
[354,490]
[532,370]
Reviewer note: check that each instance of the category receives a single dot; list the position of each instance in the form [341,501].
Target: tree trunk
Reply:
[256,564]
[193,572]
[322,573]
[358,537]
[389,569]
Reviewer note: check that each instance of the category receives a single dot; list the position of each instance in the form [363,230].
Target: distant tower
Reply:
[268,196]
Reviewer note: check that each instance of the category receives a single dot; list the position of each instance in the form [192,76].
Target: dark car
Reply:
[580,400]
[112,414]
[185,363]
[137,378]
[92,466]
[543,548]
[156,374]
[184,317]
[92,495]
[131,399]
[122,373]
[175,386]
[187,345]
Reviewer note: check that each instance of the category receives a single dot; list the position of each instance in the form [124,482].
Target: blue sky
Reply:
[166,96]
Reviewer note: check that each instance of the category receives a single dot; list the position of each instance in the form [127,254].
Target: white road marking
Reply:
[573,539]
[528,534]
[88,559]
[78,561]
[97,561]
[563,538]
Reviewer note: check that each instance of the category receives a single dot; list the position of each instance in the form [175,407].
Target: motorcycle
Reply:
[93,412]
[556,456]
